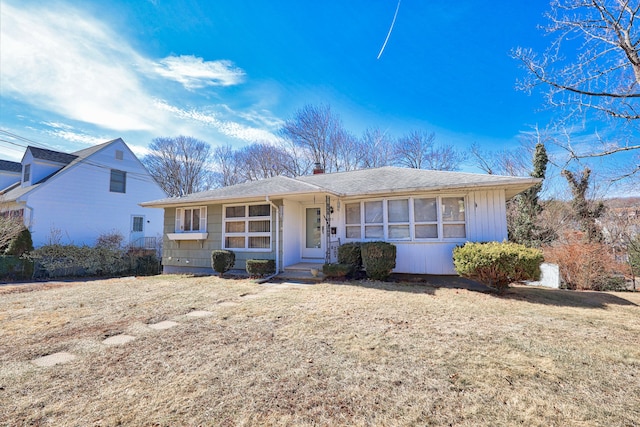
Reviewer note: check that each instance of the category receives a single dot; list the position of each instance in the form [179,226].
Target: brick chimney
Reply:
[318,169]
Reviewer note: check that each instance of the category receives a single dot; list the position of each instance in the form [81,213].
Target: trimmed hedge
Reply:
[337,271]
[261,267]
[53,261]
[350,253]
[15,268]
[497,264]
[222,260]
[378,259]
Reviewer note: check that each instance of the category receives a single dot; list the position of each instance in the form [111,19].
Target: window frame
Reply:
[247,220]
[180,219]
[114,184]
[26,173]
[440,222]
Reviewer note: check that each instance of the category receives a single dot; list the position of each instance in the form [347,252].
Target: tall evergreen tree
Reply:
[524,227]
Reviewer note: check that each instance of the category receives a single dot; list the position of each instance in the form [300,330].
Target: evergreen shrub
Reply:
[350,253]
[337,271]
[222,260]
[261,267]
[497,264]
[378,259]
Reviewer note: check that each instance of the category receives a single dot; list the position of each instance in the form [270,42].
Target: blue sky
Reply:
[73,74]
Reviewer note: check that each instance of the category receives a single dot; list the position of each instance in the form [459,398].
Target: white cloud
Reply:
[63,61]
[57,59]
[195,73]
[226,127]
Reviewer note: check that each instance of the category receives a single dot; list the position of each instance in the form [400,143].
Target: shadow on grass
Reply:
[428,284]
[564,298]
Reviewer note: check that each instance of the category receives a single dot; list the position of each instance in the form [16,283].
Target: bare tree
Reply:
[377,148]
[179,164]
[592,64]
[418,150]
[261,160]
[226,162]
[501,162]
[319,136]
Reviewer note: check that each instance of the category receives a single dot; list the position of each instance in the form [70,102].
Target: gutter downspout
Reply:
[277,233]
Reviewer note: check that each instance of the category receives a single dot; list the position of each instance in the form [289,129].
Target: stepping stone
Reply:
[199,313]
[118,339]
[54,359]
[227,303]
[167,324]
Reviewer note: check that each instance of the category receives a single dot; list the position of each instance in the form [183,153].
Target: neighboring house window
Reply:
[191,220]
[27,173]
[13,214]
[119,155]
[118,183]
[138,224]
[420,218]
[247,227]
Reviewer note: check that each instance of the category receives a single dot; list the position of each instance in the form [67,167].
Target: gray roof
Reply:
[366,182]
[273,187]
[50,155]
[8,166]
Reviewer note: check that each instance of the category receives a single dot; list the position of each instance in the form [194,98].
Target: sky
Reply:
[74,74]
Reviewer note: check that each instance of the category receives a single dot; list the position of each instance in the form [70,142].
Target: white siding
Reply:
[487,216]
[424,258]
[78,203]
[486,221]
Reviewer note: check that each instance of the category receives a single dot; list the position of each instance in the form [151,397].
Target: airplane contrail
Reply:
[395,15]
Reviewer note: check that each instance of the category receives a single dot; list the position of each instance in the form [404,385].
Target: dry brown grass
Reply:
[345,354]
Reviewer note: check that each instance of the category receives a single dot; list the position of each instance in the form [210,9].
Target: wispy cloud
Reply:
[69,133]
[196,73]
[62,60]
[69,63]
[226,127]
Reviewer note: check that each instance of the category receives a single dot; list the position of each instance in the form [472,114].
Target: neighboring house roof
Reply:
[6,165]
[50,155]
[13,193]
[379,181]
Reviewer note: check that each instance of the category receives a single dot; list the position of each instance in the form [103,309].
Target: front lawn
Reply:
[356,354]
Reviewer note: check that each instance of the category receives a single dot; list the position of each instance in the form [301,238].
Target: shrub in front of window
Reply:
[222,261]
[261,267]
[497,264]
[378,259]
[337,271]
[350,253]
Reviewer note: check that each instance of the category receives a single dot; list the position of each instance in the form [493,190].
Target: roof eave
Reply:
[215,200]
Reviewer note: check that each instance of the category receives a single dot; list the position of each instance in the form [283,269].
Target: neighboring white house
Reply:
[9,173]
[74,198]
[425,214]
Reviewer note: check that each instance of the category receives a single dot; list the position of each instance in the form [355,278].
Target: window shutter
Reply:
[178,220]
[203,219]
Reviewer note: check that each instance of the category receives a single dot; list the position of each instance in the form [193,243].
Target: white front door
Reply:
[136,237]
[313,233]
